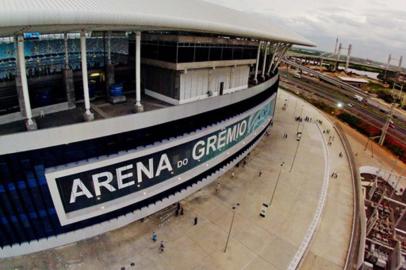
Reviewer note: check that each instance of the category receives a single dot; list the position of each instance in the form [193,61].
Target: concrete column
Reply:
[68,77]
[22,86]
[264,63]
[110,75]
[138,105]
[69,87]
[257,63]
[65,38]
[400,63]
[110,78]
[109,48]
[88,114]
[338,56]
[347,62]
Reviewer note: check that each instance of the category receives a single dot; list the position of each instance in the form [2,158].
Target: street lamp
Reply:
[298,122]
[297,149]
[276,185]
[231,226]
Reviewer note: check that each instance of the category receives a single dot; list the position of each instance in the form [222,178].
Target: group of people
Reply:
[179,211]
[330,140]
[161,245]
[308,119]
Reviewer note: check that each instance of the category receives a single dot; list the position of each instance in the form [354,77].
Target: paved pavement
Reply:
[330,244]
[330,93]
[372,154]
[255,242]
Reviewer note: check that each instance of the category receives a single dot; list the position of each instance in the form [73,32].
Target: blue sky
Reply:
[375,28]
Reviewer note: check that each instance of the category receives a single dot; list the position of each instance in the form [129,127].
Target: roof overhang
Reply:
[56,16]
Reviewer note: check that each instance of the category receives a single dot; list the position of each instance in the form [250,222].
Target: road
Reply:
[334,95]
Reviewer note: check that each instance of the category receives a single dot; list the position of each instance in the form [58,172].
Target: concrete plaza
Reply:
[255,242]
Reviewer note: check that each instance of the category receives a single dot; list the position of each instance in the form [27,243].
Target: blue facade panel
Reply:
[27,211]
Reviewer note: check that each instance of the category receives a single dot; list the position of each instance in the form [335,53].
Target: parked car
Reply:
[298,136]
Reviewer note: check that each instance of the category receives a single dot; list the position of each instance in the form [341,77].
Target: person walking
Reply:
[162,247]
[154,236]
[195,221]
[217,187]
[177,209]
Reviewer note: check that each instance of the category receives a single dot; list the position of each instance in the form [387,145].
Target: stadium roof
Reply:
[50,16]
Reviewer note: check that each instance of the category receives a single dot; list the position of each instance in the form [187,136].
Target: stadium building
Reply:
[111,111]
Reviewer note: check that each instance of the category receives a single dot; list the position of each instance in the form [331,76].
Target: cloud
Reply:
[375,28]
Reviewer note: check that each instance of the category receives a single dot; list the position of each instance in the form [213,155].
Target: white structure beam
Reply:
[264,62]
[275,52]
[88,114]
[280,56]
[30,124]
[138,105]
[257,63]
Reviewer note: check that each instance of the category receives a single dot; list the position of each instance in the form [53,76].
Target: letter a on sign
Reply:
[163,164]
[79,189]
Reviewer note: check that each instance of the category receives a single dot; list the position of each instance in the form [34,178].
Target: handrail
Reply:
[355,253]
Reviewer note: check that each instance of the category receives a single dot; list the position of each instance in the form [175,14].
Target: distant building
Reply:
[401,77]
[357,82]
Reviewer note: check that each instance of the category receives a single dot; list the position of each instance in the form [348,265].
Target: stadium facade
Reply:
[112,112]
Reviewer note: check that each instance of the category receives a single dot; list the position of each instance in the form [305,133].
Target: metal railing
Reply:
[355,253]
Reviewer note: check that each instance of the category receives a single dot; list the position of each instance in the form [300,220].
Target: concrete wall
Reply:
[195,84]
[160,80]
[25,141]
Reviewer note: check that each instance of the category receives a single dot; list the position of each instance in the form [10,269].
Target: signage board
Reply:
[105,184]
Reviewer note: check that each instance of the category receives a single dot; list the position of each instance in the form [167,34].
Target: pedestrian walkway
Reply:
[255,242]
[368,153]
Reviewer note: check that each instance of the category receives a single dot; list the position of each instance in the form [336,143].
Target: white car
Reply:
[298,136]
[349,105]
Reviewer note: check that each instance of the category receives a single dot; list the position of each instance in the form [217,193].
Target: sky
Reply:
[375,28]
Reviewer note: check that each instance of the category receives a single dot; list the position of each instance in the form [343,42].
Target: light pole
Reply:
[276,185]
[231,226]
[298,122]
[369,141]
[294,157]
[386,125]
[299,139]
